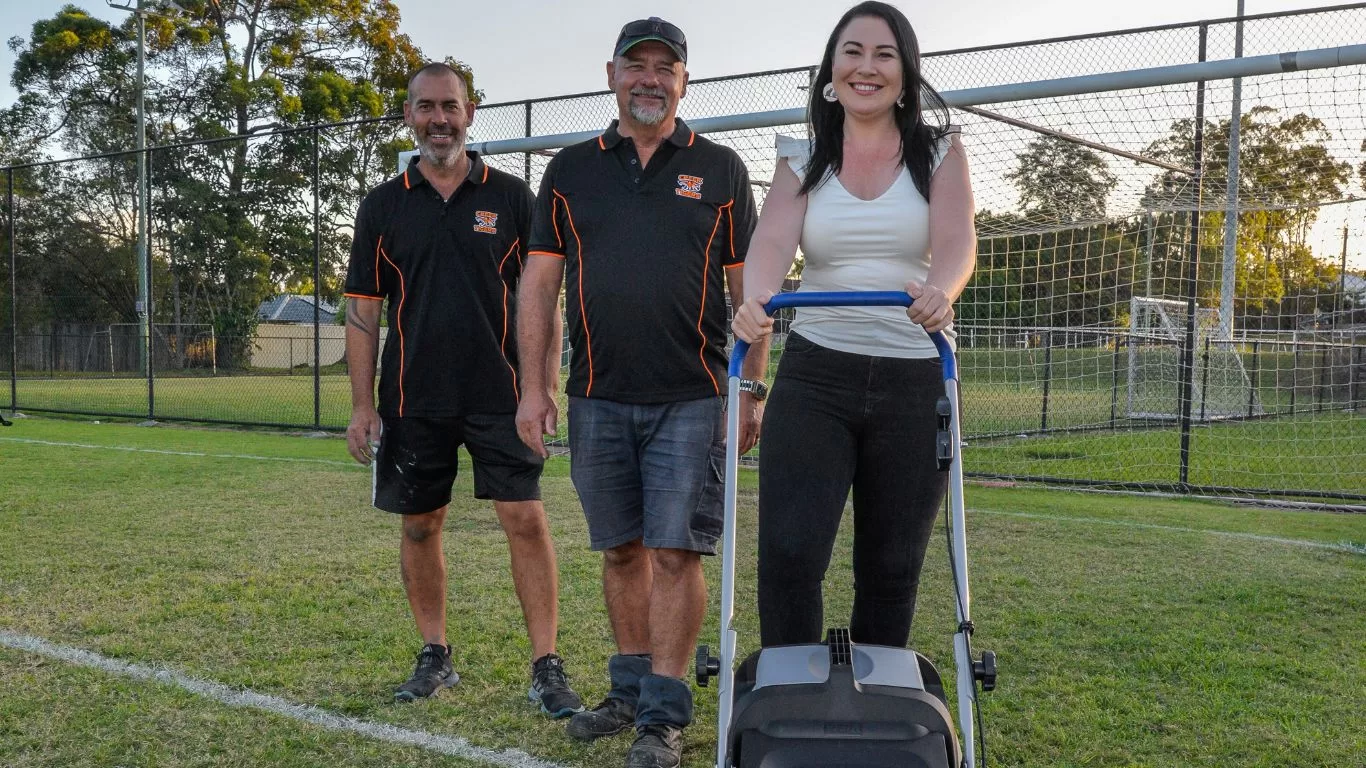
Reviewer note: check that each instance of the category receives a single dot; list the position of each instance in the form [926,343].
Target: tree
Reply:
[1057,263]
[1062,181]
[1285,173]
[232,219]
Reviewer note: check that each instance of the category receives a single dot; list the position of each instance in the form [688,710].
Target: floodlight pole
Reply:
[144,288]
[13,296]
[1187,384]
[144,306]
[1229,283]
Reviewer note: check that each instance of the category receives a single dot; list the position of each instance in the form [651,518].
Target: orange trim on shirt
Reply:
[486,175]
[601,146]
[692,138]
[730,221]
[503,345]
[405,179]
[545,253]
[363,296]
[706,267]
[555,218]
[737,264]
[379,247]
[583,308]
[398,319]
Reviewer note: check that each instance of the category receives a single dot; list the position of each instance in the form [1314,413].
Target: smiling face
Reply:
[866,67]
[649,81]
[439,112]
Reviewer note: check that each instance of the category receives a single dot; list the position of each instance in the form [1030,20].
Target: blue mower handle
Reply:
[845,299]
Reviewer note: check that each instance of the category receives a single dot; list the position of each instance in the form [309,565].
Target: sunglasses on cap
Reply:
[653,28]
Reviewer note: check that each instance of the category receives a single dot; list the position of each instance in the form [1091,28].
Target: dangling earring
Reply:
[899,103]
[828,92]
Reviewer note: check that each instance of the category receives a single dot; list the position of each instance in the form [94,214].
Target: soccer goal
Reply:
[114,347]
[1220,387]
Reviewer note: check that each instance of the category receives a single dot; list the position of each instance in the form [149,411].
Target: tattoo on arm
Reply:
[354,319]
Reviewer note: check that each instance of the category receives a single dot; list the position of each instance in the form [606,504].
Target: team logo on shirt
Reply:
[689,186]
[486,222]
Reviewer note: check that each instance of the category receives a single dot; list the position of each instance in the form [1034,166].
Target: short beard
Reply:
[448,159]
[646,116]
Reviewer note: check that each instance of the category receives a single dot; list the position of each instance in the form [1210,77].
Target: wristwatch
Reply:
[755,387]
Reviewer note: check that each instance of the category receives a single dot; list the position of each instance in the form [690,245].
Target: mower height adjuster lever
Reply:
[984,671]
[706,666]
[943,436]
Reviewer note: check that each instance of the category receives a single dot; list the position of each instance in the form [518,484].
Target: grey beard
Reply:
[648,116]
[447,161]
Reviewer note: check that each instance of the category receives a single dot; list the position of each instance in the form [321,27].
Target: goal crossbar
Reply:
[1221,69]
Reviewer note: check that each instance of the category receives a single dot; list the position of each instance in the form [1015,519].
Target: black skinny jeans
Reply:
[838,420]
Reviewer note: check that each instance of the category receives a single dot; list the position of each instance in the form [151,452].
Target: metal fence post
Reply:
[1230,272]
[1114,383]
[1047,378]
[1294,370]
[317,286]
[1322,371]
[526,172]
[1252,390]
[1204,381]
[13,296]
[1360,354]
[1192,274]
[151,323]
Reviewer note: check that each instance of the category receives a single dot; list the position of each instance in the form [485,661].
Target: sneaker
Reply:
[656,746]
[551,688]
[433,673]
[610,716]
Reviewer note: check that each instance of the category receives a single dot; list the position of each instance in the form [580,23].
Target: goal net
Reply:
[1220,387]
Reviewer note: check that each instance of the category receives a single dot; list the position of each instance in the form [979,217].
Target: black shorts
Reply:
[416,463]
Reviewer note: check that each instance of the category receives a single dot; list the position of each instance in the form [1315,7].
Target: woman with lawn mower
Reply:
[879,198]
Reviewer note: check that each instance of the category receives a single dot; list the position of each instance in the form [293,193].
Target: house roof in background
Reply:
[294,308]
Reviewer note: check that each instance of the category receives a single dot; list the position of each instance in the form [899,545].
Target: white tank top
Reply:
[864,245]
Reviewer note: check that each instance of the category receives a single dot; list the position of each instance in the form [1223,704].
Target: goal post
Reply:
[1220,386]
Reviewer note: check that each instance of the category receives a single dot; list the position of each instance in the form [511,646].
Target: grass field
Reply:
[1131,631]
[1313,451]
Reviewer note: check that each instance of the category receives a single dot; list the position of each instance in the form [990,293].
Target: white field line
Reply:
[452,746]
[130,449]
[1348,548]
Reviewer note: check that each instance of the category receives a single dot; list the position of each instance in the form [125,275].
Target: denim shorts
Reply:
[652,472]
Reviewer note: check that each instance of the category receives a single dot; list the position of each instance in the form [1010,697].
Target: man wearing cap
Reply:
[444,243]
[649,223]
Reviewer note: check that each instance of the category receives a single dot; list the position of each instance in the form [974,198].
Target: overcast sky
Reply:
[522,49]
[530,48]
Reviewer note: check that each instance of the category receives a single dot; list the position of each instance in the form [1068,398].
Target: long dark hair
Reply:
[918,137]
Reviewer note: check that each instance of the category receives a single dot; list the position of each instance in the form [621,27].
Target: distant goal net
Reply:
[1220,387]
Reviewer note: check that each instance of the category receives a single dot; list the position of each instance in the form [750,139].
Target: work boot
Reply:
[617,711]
[611,716]
[665,708]
[656,746]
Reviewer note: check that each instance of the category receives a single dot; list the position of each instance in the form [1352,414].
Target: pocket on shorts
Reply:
[709,518]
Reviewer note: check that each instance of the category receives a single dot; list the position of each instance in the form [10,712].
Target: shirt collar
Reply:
[478,174]
[682,137]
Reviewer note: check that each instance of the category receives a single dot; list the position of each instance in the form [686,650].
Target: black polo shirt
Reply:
[449,269]
[646,252]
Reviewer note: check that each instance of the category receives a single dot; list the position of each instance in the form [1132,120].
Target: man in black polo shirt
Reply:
[650,222]
[444,242]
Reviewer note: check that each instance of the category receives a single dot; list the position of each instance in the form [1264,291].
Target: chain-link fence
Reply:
[1114,334]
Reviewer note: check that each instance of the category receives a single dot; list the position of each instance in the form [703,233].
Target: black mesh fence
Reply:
[1113,334]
